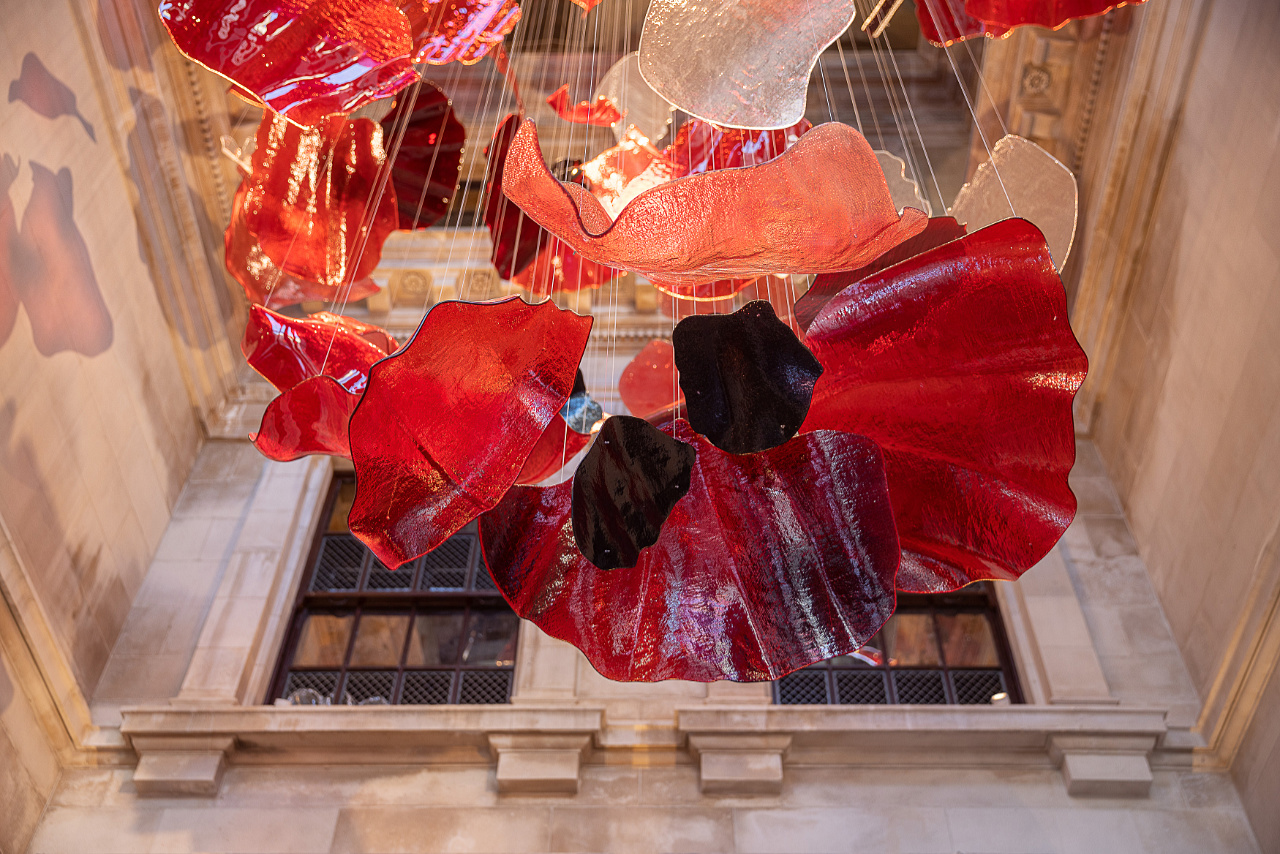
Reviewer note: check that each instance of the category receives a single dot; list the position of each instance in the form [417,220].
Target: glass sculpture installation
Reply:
[1022,179]
[771,562]
[458,30]
[320,365]
[448,422]
[599,112]
[312,199]
[961,365]
[424,169]
[945,22]
[304,59]
[727,223]
[738,63]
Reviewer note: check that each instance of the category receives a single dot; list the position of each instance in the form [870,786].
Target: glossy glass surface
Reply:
[738,63]
[458,30]
[315,201]
[648,383]
[448,422]
[949,21]
[379,640]
[288,350]
[599,112]
[323,641]
[558,268]
[305,59]
[263,281]
[424,171]
[310,418]
[961,365]
[435,639]
[641,107]
[555,447]
[517,239]
[728,223]
[619,174]
[702,147]
[773,561]
[1022,179]
[491,639]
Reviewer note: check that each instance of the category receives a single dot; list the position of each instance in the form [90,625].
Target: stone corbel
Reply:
[538,764]
[190,765]
[739,763]
[1110,766]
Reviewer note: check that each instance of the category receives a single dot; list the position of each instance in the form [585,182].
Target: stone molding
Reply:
[538,763]
[739,763]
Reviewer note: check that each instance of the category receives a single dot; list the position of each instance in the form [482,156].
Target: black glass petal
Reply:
[747,379]
[624,489]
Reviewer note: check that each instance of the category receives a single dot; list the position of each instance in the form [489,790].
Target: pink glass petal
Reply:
[305,59]
[448,422]
[648,383]
[771,562]
[702,147]
[600,113]
[458,30]
[555,447]
[425,170]
[961,364]
[266,284]
[730,223]
[310,418]
[316,201]
[288,351]
[738,63]
[940,230]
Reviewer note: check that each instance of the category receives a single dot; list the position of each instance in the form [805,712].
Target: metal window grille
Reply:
[876,679]
[352,589]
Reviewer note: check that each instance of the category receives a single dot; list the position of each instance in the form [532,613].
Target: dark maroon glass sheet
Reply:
[305,59]
[940,230]
[961,364]
[728,223]
[424,171]
[316,201]
[517,239]
[447,423]
[600,113]
[772,562]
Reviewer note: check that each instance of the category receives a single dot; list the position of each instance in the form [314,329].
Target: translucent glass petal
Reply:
[424,172]
[641,107]
[458,30]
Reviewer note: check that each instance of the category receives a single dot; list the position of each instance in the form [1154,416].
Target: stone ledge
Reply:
[739,764]
[533,764]
[180,766]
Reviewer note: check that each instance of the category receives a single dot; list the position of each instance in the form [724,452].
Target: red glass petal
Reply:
[602,113]
[288,351]
[310,418]
[939,230]
[702,147]
[619,174]
[517,239]
[729,223]
[266,284]
[587,5]
[773,561]
[648,383]
[945,22]
[458,30]
[961,364]
[948,21]
[427,158]
[559,268]
[555,447]
[448,422]
[316,201]
[305,59]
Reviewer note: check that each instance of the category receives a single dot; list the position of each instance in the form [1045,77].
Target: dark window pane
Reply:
[485,686]
[310,688]
[381,578]
[338,567]
[919,687]
[369,688]
[446,567]
[967,640]
[491,639]
[426,688]
[803,688]
[435,639]
[911,641]
[861,687]
[323,640]
[379,640]
[976,687]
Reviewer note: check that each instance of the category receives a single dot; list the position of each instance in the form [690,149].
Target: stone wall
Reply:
[1189,424]
[28,764]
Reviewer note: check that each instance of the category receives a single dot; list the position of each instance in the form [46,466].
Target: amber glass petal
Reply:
[701,146]
[424,172]
[448,422]
[940,230]
[310,418]
[288,351]
[641,107]
[738,63]
[458,30]
[265,283]
[601,112]
[316,201]
[728,223]
[624,489]
[1022,179]
[554,448]
[961,364]
[771,562]
[648,383]
[305,59]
